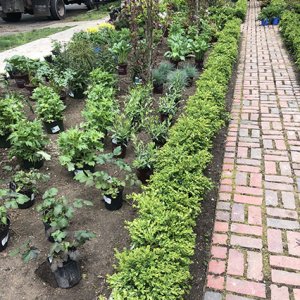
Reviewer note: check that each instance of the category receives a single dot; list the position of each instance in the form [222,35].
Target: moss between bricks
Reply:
[163,241]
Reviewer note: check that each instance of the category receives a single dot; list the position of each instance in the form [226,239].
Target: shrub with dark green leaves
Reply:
[162,238]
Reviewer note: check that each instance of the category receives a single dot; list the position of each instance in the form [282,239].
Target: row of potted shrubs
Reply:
[162,237]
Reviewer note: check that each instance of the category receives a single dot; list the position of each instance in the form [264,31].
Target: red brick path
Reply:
[254,253]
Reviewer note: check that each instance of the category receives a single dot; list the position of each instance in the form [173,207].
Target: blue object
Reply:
[264,22]
[97,49]
[275,21]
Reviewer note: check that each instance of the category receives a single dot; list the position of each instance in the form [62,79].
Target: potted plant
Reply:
[78,149]
[49,108]
[57,212]
[63,258]
[101,108]
[122,49]
[60,81]
[27,144]
[18,68]
[24,189]
[178,45]
[199,46]
[4,225]
[111,186]
[158,81]
[145,159]
[158,131]
[121,131]
[167,107]
[176,82]
[11,112]
[191,73]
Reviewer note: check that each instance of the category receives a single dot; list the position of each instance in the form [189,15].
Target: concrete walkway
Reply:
[43,47]
[255,252]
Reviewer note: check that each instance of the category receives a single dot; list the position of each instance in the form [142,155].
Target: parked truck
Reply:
[12,10]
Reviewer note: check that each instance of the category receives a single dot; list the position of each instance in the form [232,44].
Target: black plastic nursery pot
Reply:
[123,149]
[48,59]
[68,275]
[21,80]
[30,88]
[27,165]
[113,203]
[77,94]
[158,88]
[144,174]
[199,64]
[190,81]
[4,235]
[163,117]
[63,95]
[4,142]
[122,69]
[174,63]
[54,127]
[29,193]
[48,231]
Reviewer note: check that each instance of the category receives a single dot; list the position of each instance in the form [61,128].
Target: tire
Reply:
[57,9]
[90,4]
[12,17]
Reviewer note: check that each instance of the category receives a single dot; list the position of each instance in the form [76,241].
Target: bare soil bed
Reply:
[22,281]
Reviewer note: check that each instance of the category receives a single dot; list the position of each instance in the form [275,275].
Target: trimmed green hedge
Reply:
[163,241]
[290,30]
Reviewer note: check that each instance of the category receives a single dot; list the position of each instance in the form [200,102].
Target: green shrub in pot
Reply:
[176,81]
[121,131]
[158,131]
[11,112]
[106,79]
[18,65]
[121,49]
[191,73]
[78,148]
[100,108]
[28,142]
[23,185]
[138,105]
[49,108]
[145,158]
[4,224]
[60,81]
[167,106]
[57,211]
[110,185]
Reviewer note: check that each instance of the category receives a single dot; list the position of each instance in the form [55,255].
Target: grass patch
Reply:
[18,39]
[96,14]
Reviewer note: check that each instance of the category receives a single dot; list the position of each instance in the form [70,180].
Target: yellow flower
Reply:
[106,25]
[92,29]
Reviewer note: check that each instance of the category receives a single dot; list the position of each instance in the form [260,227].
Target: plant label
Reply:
[4,241]
[32,197]
[77,171]
[107,199]
[55,129]
[71,94]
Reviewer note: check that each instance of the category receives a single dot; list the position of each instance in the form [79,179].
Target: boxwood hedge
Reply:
[157,264]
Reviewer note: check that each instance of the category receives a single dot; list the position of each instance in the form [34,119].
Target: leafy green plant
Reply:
[104,78]
[28,141]
[145,154]
[177,81]
[199,46]
[121,49]
[191,71]
[3,214]
[78,148]
[60,80]
[58,211]
[109,185]
[17,65]
[100,109]
[178,48]
[167,104]
[49,106]
[64,250]
[158,77]
[11,112]
[158,131]
[137,105]
[121,130]
[27,251]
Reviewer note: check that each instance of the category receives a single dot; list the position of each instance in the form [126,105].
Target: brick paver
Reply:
[255,252]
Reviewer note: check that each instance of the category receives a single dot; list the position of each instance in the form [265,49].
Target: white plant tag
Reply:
[50,258]
[114,141]
[55,129]
[32,197]
[71,94]
[4,241]
[76,171]
[107,199]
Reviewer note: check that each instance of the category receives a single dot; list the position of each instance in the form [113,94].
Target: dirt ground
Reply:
[19,280]
[29,23]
